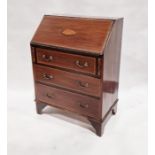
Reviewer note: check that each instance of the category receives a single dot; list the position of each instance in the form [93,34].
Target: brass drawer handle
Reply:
[81,65]
[83,105]
[51,96]
[47,58]
[83,84]
[47,76]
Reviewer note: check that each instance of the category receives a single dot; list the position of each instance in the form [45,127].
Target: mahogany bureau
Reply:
[76,65]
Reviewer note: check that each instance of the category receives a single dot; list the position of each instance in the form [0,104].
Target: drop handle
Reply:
[83,105]
[47,58]
[81,64]
[50,96]
[83,84]
[47,76]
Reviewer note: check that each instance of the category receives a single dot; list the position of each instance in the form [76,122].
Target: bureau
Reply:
[76,65]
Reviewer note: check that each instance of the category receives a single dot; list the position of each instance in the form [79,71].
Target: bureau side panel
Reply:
[111,65]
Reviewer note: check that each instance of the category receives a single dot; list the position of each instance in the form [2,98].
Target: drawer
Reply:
[74,62]
[81,104]
[77,82]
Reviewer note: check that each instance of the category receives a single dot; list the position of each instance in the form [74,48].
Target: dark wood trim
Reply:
[35,55]
[85,17]
[96,66]
[65,50]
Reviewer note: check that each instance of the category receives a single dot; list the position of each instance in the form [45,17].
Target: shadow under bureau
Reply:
[76,65]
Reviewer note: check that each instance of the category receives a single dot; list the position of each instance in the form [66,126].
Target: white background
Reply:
[53,133]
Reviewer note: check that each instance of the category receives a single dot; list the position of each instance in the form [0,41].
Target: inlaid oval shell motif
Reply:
[68,32]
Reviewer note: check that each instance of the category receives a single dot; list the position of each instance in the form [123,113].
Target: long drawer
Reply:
[77,103]
[80,83]
[84,64]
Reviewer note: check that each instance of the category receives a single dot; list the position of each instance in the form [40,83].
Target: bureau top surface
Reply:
[88,35]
